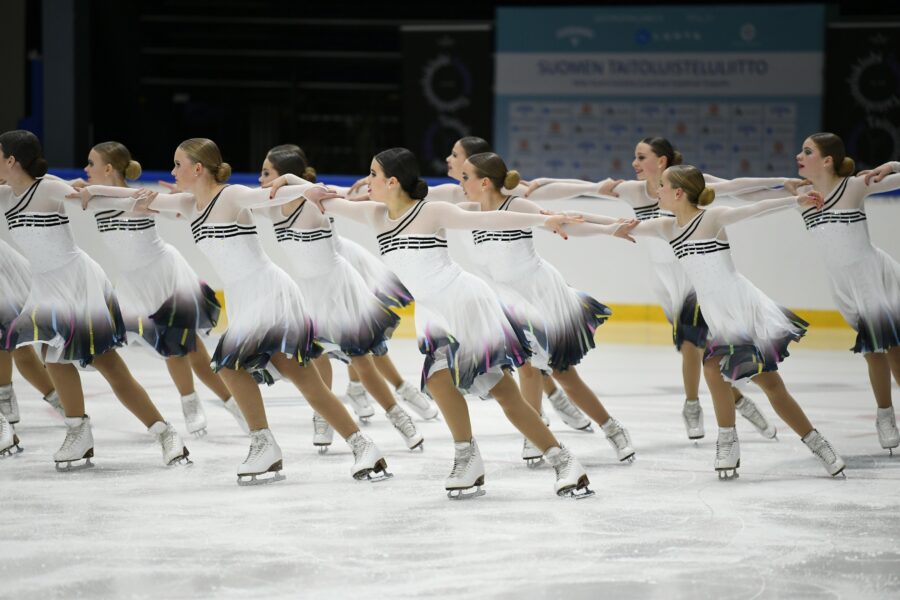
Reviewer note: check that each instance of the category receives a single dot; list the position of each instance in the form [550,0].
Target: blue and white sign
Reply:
[735,88]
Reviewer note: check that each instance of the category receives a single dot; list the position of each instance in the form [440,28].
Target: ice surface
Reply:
[663,527]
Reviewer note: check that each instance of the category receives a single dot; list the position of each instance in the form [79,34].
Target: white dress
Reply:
[748,332]
[559,321]
[71,306]
[349,319]
[267,313]
[164,303]
[865,282]
[380,280]
[15,279]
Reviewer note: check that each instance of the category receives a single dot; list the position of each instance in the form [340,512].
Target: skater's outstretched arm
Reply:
[448,216]
[722,216]
[544,189]
[878,173]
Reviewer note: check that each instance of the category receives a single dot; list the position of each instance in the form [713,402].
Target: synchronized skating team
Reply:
[512,313]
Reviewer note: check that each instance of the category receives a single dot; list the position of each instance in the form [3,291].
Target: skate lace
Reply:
[562,404]
[6,404]
[692,412]
[358,444]
[414,397]
[723,449]
[619,437]
[5,428]
[564,465]
[73,436]
[191,407]
[749,411]
[886,424]
[403,422]
[461,461]
[824,451]
[167,440]
[320,425]
[257,446]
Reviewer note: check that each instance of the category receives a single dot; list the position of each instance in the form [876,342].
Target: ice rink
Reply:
[662,527]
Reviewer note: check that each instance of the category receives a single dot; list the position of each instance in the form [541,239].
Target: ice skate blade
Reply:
[696,436]
[378,473]
[463,494]
[840,474]
[725,476]
[199,433]
[322,448]
[13,450]
[87,464]
[534,463]
[364,420]
[180,461]
[578,491]
[585,429]
[418,447]
[628,459]
[255,479]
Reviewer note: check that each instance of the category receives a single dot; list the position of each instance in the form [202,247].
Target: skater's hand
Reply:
[811,198]
[607,186]
[78,183]
[318,195]
[144,198]
[84,195]
[173,189]
[356,187]
[626,226]
[556,222]
[877,174]
[535,184]
[792,185]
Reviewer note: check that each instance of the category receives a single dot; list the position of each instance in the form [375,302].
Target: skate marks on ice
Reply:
[662,527]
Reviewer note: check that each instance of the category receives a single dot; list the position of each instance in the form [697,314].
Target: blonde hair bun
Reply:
[677,158]
[223,172]
[133,170]
[309,174]
[512,179]
[706,197]
[847,167]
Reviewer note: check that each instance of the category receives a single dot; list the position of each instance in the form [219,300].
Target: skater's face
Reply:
[186,172]
[379,185]
[268,172]
[98,171]
[473,186]
[455,161]
[669,197]
[6,163]
[810,162]
[646,163]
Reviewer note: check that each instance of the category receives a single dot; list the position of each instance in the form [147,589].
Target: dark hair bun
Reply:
[38,167]
[309,174]
[420,190]
[846,167]
[677,158]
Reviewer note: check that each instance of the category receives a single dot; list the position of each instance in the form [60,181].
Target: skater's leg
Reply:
[6,363]
[581,395]
[352,374]
[521,415]
[32,369]
[783,403]
[373,381]
[691,365]
[880,377]
[531,383]
[720,390]
[323,366]
[388,370]
[180,371]
[129,392]
[452,405]
[894,360]
[67,383]
[549,385]
[317,394]
[200,360]
[245,391]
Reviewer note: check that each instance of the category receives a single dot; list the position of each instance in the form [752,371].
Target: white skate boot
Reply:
[231,406]
[571,478]
[9,406]
[264,457]
[78,445]
[692,413]
[402,422]
[819,446]
[323,433]
[467,472]
[9,441]
[728,453]
[194,415]
[568,412]
[531,454]
[417,401]
[173,448]
[618,438]
[359,400]
[886,424]
[748,410]
[53,400]
[368,462]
